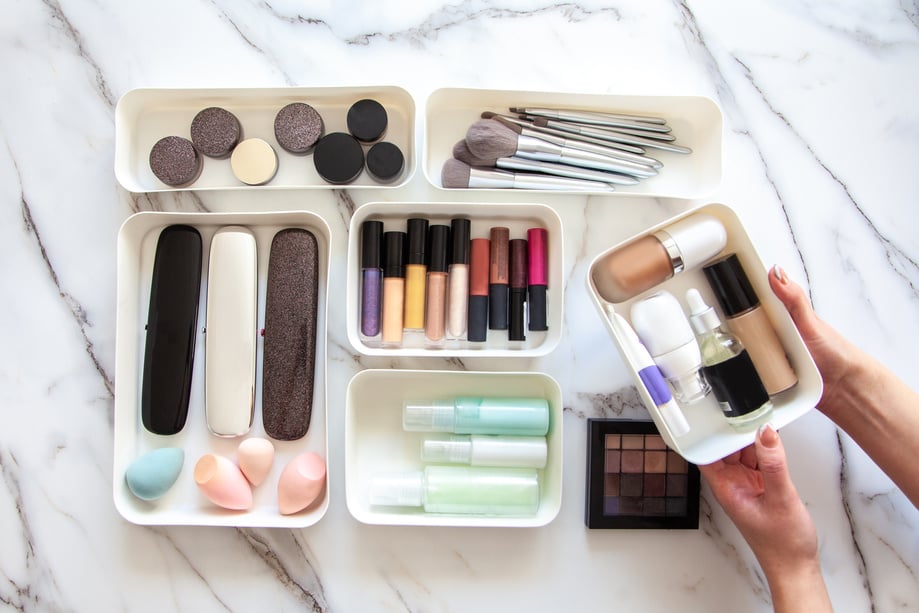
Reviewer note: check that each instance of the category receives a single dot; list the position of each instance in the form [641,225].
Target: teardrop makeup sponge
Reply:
[221,481]
[152,474]
[301,482]
[255,457]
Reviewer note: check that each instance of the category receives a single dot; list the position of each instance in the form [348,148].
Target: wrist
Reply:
[798,587]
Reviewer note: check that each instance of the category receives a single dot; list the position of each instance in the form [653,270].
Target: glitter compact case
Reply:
[635,481]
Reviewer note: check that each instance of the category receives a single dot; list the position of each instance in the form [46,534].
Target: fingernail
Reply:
[779,274]
[768,436]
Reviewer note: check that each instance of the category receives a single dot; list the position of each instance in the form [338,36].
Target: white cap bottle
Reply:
[662,327]
[483,450]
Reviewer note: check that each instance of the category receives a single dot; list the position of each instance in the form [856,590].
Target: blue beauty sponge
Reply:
[152,474]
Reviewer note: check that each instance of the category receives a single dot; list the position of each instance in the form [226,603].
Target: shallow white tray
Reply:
[696,123]
[184,504]
[375,441]
[710,437]
[143,116]
[518,218]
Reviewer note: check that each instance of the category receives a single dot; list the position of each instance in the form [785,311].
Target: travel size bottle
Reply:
[475,415]
[727,367]
[485,450]
[460,489]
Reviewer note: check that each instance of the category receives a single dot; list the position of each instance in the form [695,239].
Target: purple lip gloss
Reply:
[371,277]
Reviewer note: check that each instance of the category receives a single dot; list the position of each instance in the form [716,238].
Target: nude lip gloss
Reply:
[415,274]
[393,287]
[537,279]
[458,279]
[498,278]
[478,290]
[518,290]
[371,277]
[436,294]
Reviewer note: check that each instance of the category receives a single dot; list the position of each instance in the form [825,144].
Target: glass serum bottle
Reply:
[728,368]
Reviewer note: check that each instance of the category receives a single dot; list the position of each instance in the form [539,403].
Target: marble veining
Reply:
[820,127]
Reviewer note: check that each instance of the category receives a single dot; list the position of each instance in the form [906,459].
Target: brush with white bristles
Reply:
[456,174]
[461,152]
[488,138]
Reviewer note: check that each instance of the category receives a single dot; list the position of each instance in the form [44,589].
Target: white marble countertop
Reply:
[821,133]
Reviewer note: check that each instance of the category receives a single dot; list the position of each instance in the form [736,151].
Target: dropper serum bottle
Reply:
[728,368]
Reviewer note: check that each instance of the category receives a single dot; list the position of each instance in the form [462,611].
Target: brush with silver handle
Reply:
[565,139]
[456,174]
[461,152]
[609,135]
[488,138]
[598,118]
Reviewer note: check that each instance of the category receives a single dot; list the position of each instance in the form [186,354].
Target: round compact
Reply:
[367,120]
[385,162]
[254,161]
[339,158]
[215,131]
[175,161]
[297,127]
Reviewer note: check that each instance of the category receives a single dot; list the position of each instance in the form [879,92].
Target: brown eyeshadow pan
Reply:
[635,481]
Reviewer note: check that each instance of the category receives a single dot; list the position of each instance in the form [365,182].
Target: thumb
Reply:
[796,302]
[770,459]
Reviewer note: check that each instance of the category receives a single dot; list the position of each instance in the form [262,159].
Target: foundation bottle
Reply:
[749,322]
[642,264]
[727,367]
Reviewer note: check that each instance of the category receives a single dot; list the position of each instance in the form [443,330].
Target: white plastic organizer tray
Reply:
[184,504]
[711,437]
[696,122]
[518,218]
[143,116]
[376,443]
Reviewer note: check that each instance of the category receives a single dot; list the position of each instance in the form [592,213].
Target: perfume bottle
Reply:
[727,367]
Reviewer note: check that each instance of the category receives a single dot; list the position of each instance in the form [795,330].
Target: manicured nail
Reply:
[780,274]
[768,436]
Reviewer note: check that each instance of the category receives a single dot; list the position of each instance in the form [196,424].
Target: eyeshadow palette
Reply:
[635,481]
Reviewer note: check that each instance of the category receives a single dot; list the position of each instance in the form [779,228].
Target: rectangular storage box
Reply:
[375,442]
[143,116]
[711,437]
[184,504]
[483,216]
[696,122]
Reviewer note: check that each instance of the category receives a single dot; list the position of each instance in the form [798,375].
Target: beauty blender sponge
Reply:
[221,481]
[301,482]
[152,474]
[255,457]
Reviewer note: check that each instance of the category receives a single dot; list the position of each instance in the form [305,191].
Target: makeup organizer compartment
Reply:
[144,116]
[709,435]
[376,443]
[696,123]
[183,503]
[518,218]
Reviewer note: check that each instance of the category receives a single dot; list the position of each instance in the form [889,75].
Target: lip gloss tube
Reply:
[498,279]
[518,290]
[436,295]
[458,279]
[371,277]
[478,290]
[537,279]
[415,274]
[393,287]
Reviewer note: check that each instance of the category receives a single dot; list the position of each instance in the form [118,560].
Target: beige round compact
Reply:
[254,161]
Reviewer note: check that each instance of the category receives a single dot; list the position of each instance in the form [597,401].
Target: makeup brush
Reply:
[586,119]
[461,152]
[456,174]
[587,116]
[566,139]
[488,138]
[609,135]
